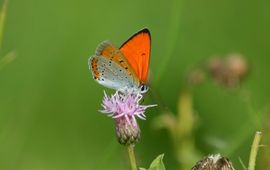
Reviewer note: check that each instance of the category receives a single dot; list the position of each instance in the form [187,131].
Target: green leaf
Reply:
[157,163]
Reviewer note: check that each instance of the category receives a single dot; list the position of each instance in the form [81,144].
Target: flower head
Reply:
[214,162]
[124,108]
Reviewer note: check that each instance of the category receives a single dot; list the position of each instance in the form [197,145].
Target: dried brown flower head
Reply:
[214,162]
[228,71]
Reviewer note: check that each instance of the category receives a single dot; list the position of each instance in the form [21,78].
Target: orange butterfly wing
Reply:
[137,52]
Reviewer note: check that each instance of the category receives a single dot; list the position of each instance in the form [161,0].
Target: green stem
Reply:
[2,20]
[254,150]
[132,157]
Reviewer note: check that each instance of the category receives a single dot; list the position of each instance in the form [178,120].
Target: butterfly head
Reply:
[143,88]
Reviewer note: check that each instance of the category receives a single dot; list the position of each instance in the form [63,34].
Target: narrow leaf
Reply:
[2,20]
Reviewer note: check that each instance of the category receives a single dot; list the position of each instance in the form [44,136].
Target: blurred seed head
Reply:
[196,77]
[237,65]
[228,71]
[214,162]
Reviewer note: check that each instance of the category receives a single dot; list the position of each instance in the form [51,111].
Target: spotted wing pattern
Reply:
[111,69]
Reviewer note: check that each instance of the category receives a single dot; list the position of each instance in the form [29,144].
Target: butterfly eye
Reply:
[144,88]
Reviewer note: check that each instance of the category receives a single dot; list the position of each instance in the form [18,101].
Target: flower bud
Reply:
[127,132]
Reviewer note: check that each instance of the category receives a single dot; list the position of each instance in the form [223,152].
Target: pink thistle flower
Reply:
[124,108]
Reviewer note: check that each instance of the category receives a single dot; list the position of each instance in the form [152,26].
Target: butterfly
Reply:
[125,68]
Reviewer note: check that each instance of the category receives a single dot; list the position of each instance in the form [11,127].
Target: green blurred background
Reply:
[49,103]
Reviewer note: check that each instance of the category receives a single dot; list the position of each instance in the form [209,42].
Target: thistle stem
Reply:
[132,157]
[254,151]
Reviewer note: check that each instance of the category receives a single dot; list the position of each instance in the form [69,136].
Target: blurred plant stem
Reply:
[11,55]
[184,143]
[180,128]
[132,158]
[254,150]
[2,20]
[185,113]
